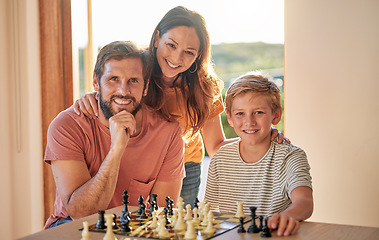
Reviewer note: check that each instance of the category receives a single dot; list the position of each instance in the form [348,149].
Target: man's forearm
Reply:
[97,192]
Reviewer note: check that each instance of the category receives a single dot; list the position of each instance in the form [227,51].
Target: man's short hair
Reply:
[253,82]
[121,50]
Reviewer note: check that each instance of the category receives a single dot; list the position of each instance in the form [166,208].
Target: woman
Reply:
[183,87]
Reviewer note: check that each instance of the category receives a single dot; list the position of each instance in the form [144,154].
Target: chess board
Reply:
[140,227]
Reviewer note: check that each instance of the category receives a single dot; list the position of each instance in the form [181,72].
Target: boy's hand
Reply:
[87,105]
[285,225]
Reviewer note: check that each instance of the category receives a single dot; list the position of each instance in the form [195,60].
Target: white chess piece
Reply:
[162,230]
[201,208]
[240,212]
[188,216]
[180,224]
[190,233]
[109,235]
[174,218]
[196,219]
[210,228]
[85,232]
[154,223]
[180,205]
[205,214]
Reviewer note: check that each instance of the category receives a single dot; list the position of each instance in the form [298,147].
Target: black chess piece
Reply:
[166,213]
[101,222]
[154,198]
[265,230]
[241,229]
[195,203]
[260,223]
[114,224]
[125,224]
[140,202]
[167,206]
[253,228]
[125,212]
[143,211]
[152,208]
[171,208]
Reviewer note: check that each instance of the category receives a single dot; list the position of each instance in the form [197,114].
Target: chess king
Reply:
[128,147]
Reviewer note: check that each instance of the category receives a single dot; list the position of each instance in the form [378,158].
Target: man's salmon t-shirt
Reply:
[156,154]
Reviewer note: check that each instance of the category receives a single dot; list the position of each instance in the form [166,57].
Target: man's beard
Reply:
[107,109]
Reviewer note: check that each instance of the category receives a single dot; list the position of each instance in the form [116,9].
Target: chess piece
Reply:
[154,223]
[201,210]
[125,214]
[170,208]
[240,212]
[154,198]
[125,221]
[260,223]
[265,230]
[114,224]
[196,219]
[241,229]
[162,231]
[143,211]
[180,224]
[109,235]
[195,203]
[210,228]
[188,216]
[101,223]
[174,218]
[253,228]
[190,233]
[85,232]
[141,205]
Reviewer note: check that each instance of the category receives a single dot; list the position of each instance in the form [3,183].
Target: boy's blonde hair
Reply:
[253,82]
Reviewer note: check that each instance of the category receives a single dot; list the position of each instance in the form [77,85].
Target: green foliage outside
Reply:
[234,59]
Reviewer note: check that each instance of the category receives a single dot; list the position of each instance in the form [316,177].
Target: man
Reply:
[128,147]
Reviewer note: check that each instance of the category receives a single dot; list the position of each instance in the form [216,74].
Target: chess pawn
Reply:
[196,219]
[109,235]
[190,233]
[240,212]
[188,216]
[265,230]
[210,228]
[154,223]
[180,224]
[162,231]
[85,233]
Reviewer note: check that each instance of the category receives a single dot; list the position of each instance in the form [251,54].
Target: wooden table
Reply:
[308,230]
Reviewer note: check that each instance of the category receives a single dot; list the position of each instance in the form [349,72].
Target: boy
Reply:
[255,170]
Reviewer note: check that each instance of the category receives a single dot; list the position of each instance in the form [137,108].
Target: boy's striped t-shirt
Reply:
[265,184]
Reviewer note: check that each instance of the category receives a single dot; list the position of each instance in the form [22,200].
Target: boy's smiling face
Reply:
[251,117]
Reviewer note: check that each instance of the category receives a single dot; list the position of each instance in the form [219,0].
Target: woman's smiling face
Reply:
[177,49]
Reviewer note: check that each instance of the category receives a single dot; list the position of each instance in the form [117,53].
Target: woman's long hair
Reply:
[199,85]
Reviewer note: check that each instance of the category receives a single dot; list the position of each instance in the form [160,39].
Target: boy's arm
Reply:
[288,221]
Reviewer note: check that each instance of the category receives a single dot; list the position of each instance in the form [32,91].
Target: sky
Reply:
[228,21]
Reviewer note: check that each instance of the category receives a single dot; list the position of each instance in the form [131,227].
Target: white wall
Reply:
[21,186]
[332,105]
